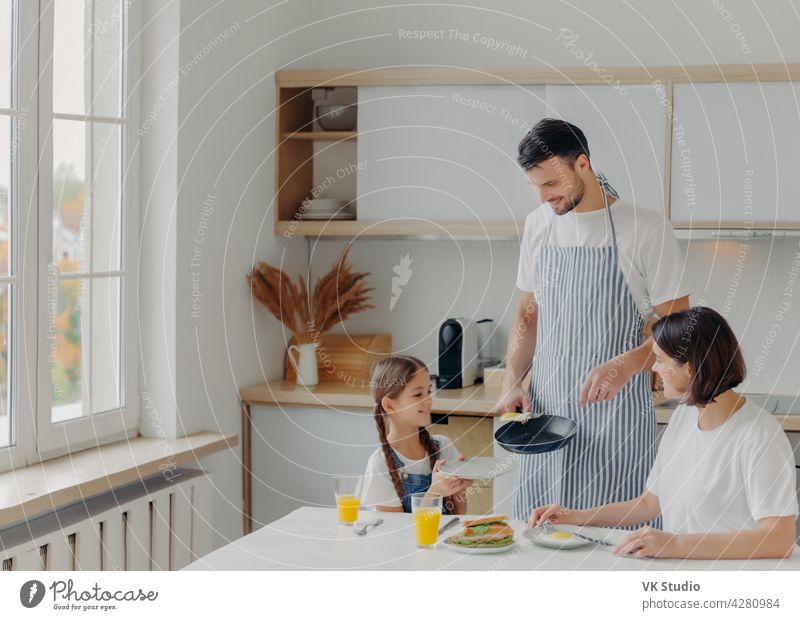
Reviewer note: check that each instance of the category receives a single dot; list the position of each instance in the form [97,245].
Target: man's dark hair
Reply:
[703,338]
[551,137]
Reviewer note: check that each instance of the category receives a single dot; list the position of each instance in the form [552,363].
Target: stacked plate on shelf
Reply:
[327,209]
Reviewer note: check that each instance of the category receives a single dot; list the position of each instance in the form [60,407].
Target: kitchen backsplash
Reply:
[751,283]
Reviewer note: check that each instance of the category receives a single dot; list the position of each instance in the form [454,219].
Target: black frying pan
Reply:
[544,433]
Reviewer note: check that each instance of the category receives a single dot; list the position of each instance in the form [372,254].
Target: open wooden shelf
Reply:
[419,230]
[321,136]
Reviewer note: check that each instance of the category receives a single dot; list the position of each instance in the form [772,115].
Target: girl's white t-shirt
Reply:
[378,489]
[725,479]
[649,255]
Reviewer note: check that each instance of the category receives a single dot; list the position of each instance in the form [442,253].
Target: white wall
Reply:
[225,137]
[209,168]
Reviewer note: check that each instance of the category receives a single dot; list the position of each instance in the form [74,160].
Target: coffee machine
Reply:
[458,353]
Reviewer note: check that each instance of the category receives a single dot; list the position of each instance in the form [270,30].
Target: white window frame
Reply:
[22,231]
[36,437]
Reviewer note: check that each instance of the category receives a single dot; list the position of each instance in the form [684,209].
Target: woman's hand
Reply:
[447,485]
[648,542]
[555,513]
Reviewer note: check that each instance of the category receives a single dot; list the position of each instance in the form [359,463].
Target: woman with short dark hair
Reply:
[724,476]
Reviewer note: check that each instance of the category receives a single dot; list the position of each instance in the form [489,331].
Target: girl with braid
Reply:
[409,458]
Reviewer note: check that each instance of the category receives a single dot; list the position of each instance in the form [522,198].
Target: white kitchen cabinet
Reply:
[626,135]
[444,153]
[439,153]
[735,155]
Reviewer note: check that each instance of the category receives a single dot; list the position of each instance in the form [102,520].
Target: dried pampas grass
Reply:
[337,295]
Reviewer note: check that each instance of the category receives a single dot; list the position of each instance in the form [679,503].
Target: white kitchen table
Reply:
[311,538]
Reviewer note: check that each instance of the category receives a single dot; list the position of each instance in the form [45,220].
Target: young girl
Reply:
[724,475]
[409,458]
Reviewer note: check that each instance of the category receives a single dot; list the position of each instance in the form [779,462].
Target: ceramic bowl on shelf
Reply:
[336,117]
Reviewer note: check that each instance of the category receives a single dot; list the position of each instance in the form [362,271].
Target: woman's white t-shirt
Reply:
[378,489]
[649,255]
[725,479]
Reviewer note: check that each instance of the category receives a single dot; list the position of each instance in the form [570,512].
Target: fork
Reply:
[547,527]
[362,531]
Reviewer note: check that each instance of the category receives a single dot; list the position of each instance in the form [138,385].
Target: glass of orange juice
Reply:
[347,489]
[427,510]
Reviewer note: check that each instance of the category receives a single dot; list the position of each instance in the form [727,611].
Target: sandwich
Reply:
[489,531]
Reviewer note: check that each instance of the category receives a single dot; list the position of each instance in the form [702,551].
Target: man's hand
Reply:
[605,381]
[512,398]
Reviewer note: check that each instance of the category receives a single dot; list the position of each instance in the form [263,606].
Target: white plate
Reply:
[609,535]
[537,536]
[325,203]
[479,467]
[478,550]
[328,211]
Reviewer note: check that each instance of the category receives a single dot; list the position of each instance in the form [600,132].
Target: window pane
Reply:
[70,56]
[6,25]
[106,36]
[68,312]
[105,344]
[5,191]
[70,216]
[105,197]
[86,57]
[5,367]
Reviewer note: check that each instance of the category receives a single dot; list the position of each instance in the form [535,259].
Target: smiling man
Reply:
[594,272]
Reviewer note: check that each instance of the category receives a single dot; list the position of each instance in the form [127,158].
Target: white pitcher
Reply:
[306,366]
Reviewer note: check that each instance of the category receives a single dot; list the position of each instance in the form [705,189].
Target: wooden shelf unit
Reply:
[294,159]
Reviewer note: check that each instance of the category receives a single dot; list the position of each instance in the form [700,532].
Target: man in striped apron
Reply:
[582,334]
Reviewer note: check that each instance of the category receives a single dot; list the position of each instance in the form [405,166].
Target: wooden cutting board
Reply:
[346,358]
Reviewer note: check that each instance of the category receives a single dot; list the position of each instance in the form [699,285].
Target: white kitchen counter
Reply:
[311,538]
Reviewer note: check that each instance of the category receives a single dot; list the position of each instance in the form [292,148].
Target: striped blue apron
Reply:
[586,316]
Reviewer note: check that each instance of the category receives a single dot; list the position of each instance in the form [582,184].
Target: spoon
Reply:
[362,531]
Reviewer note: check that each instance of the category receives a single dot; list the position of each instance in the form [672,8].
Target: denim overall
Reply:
[412,483]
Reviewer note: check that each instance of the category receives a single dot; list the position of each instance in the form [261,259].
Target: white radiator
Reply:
[161,523]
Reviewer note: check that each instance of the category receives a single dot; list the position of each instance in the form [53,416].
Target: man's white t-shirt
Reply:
[725,479]
[649,256]
[378,489]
